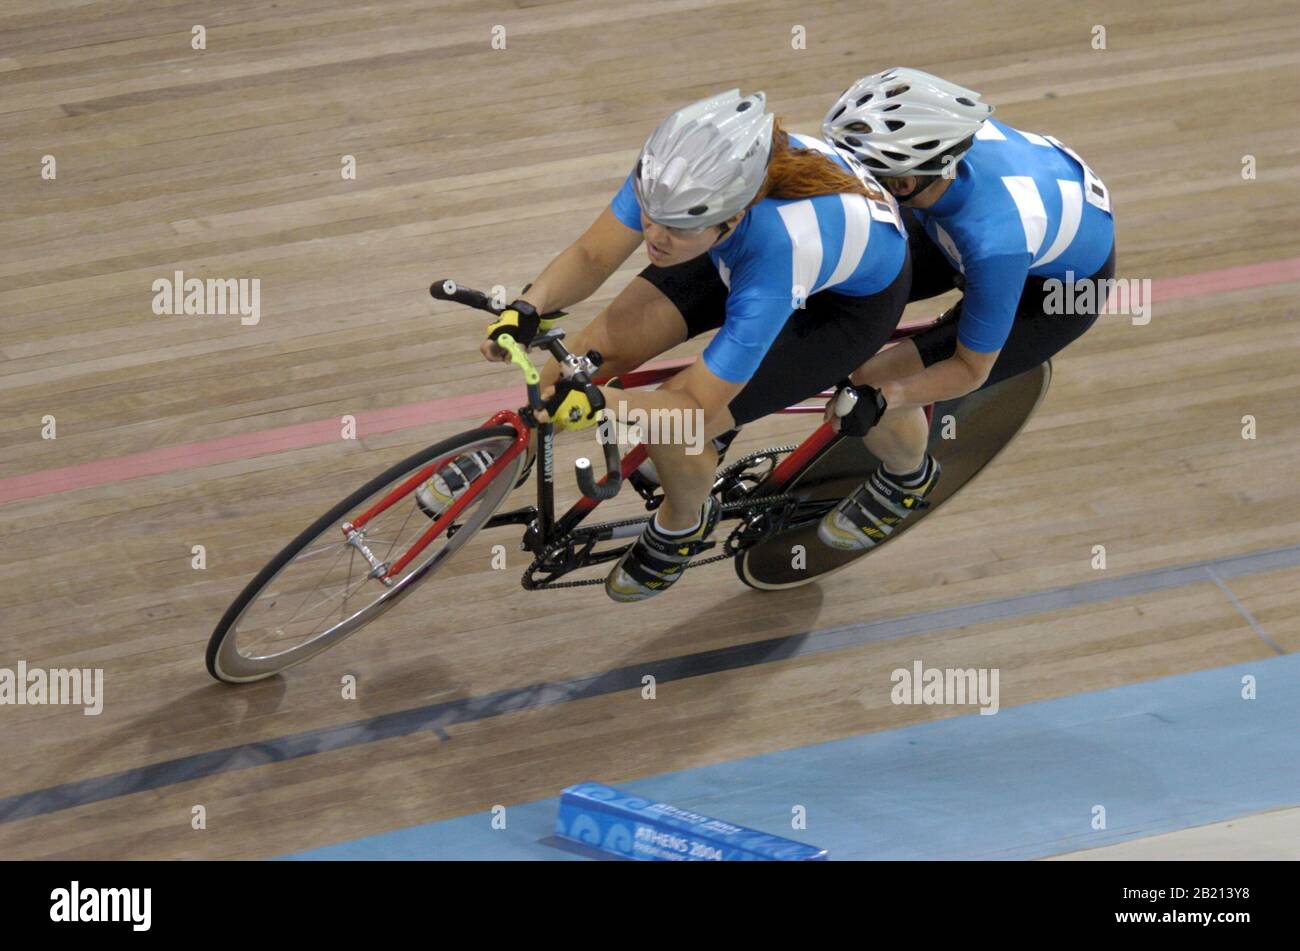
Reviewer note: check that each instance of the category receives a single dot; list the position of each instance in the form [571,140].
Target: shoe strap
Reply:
[898,495]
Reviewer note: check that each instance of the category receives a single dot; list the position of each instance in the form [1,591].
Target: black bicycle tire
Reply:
[313,531]
[739,562]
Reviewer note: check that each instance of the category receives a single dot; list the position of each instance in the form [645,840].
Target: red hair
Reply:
[796,172]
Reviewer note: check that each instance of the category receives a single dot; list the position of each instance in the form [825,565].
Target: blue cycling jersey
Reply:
[785,250]
[1021,204]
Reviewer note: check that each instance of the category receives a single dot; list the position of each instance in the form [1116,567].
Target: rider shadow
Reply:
[158,730]
[799,610]
[673,665]
[211,705]
[797,614]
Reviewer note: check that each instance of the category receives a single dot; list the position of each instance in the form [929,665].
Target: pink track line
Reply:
[280,439]
[1228,279]
[248,445]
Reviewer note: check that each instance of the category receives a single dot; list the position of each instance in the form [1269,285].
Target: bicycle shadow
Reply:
[158,729]
[657,663]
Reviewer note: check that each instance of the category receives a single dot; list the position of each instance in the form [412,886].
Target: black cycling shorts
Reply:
[1035,334]
[819,346]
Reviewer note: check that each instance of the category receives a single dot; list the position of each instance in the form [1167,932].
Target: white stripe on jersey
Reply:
[1033,216]
[1071,215]
[1035,139]
[950,246]
[800,219]
[857,232]
[724,272]
[989,131]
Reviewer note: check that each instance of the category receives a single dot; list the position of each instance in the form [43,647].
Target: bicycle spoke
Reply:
[405,521]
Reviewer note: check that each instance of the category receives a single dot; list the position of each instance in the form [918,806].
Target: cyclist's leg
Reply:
[820,346]
[899,440]
[659,309]
[657,558]
[697,295]
[685,472]
[655,312]
[695,292]
[637,325]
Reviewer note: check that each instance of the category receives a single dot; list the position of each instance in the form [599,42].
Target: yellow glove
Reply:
[520,320]
[575,412]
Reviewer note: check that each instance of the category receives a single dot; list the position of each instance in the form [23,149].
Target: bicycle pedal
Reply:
[740,490]
[648,489]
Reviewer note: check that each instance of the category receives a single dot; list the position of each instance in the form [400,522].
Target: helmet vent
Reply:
[927,146]
[894,124]
[874,163]
[865,98]
[838,112]
[852,140]
[964,101]
[897,91]
[896,156]
[892,106]
[743,106]
[697,210]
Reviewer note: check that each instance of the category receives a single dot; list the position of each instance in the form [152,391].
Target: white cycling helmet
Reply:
[705,162]
[904,121]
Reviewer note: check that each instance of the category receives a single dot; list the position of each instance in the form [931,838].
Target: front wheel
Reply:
[321,588]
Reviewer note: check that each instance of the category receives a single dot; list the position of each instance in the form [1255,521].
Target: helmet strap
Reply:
[929,183]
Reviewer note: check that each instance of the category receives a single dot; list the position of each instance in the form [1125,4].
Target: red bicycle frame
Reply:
[802,455]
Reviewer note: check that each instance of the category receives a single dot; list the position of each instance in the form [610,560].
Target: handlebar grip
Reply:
[447,289]
[845,400]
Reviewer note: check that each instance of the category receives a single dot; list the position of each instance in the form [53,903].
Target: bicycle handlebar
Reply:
[448,289]
[587,480]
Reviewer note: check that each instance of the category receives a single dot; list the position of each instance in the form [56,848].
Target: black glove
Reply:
[866,412]
[520,320]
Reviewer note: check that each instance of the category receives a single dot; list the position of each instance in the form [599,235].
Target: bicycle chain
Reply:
[727,508]
[743,461]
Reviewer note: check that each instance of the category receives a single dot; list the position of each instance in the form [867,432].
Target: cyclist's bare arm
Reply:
[963,372]
[577,272]
[904,381]
[696,389]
